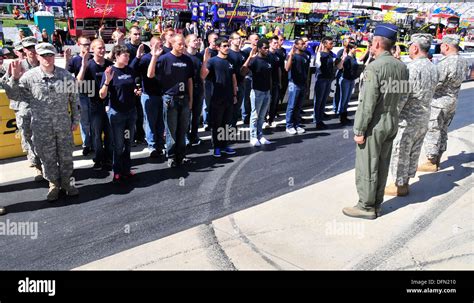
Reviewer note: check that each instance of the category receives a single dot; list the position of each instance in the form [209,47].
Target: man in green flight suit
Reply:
[376,122]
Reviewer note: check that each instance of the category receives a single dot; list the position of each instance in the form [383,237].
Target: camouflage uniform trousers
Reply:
[406,151]
[54,146]
[23,122]
[437,136]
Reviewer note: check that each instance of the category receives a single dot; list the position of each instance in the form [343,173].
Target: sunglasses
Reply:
[47,55]
[85,44]
[225,45]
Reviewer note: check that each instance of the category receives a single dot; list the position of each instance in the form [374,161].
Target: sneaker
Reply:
[217,153]
[264,141]
[228,151]
[116,179]
[171,163]
[321,126]
[97,166]
[291,131]
[207,128]
[265,125]
[86,150]
[300,130]
[185,161]
[155,154]
[254,142]
[3,211]
[128,175]
[195,142]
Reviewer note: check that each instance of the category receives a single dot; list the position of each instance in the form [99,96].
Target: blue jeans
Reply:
[337,95]
[275,95]
[85,120]
[176,117]
[322,88]
[259,101]
[236,112]
[346,92]
[196,112]
[208,87]
[296,94]
[122,126]
[153,123]
[246,106]
[100,124]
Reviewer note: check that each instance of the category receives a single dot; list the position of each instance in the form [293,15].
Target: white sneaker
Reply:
[265,125]
[254,142]
[300,130]
[291,131]
[264,141]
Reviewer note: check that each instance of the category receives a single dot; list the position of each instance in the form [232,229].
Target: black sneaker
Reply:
[155,154]
[171,163]
[86,150]
[321,126]
[107,165]
[97,166]
[195,142]
[185,161]
[116,179]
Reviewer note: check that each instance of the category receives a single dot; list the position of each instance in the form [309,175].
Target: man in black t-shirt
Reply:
[175,72]
[212,49]
[276,78]
[246,108]
[220,71]
[237,58]
[259,63]
[340,53]
[281,52]
[192,46]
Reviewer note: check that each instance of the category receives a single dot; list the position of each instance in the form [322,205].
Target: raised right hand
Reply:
[16,69]
[109,74]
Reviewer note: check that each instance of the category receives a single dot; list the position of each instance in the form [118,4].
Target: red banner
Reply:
[175,4]
[99,9]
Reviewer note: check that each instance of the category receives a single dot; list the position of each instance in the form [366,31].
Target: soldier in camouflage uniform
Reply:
[376,123]
[21,108]
[452,71]
[51,94]
[414,115]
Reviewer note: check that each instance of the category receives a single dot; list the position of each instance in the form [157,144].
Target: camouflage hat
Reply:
[18,46]
[421,39]
[451,39]
[29,41]
[45,48]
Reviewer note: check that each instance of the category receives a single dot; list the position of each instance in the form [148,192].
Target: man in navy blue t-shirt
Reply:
[261,66]
[297,66]
[74,66]
[220,71]
[276,78]
[212,49]
[92,72]
[322,87]
[175,72]
[152,104]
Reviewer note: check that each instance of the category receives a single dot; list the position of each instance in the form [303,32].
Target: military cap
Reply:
[421,39]
[18,46]
[451,39]
[45,48]
[386,30]
[28,41]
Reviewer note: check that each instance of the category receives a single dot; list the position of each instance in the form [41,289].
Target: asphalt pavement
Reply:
[161,202]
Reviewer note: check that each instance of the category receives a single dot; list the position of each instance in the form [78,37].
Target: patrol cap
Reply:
[386,30]
[18,46]
[423,40]
[45,48]
[29,41]
[451,39]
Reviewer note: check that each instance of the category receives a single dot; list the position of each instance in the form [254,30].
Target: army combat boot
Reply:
[395,190]
[69,189]
[53,193]
[38,173]
[356,212]
[430,166]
